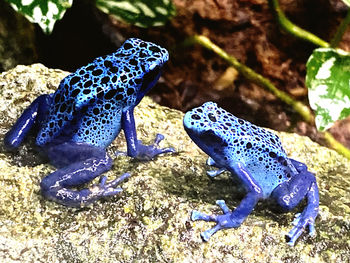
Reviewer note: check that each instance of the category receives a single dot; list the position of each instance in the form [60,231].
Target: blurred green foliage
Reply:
[143,13]
[44,13]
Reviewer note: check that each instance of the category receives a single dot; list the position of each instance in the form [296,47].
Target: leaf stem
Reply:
[293,29]
[251,75]
[337,146]
[340,31]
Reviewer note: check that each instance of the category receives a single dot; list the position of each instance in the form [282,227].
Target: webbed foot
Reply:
[210,161]
[84,197]
[213,173]
[290,193]
[300,222]
[148,152]
[102,189]
[223,221]
[75,170]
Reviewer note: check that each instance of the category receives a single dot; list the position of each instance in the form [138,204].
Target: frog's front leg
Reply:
[289,194]
[233,218]
[36,111]
[301,167]
[135,147]
[80,163]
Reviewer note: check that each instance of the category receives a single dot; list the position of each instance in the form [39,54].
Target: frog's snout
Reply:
[187,120]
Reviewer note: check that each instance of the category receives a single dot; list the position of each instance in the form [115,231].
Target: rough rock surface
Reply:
[150,220]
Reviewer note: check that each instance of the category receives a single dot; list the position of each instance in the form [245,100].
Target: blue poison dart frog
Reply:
[85,114]
[256,157]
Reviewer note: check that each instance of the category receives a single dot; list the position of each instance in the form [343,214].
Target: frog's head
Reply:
[142,62]
[206,127]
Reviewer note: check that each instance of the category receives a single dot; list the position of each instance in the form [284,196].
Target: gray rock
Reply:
[150,220]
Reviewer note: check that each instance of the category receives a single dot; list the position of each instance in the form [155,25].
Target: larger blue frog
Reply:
[84,116]
[256,157]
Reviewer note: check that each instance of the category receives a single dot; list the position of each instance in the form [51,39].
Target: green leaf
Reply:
[328,81]
[43,12]
[347,2]
[142,13]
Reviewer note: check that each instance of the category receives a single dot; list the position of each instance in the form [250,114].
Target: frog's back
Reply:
[258,149]
[88,104]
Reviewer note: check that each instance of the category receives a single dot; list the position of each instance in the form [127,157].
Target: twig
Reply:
[340,31]
[293,29]
[337,146]
[251,75]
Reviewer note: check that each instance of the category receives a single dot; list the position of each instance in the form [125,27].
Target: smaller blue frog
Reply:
[84,116]
[256,157]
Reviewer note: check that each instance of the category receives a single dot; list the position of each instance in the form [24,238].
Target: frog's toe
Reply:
[110,189]
[158,139]
[114,182]
[224,221]
[223,206]
[312,230]
[120,153]
[166,150]
[208,233]
[300,224]
[210,161]
[148,152]
[213,173]
[151,152]
[196,215]
[296,220]
[293,235]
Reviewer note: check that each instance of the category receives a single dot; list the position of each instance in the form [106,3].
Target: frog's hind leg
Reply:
[36,111]
[289,194]
[80,164]
[236,217]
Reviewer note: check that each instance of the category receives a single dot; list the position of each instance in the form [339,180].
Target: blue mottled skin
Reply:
[85,114]
[256,157]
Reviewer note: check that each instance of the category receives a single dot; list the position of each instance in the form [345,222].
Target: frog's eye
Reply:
[211,117]
[195,117]
[155,49]
[153,66]
[272,154]
[128,46]
[149,78]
